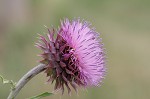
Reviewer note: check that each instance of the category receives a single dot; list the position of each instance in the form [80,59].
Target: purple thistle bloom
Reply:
[75,58]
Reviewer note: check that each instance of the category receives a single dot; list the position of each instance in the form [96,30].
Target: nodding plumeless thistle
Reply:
[75,57]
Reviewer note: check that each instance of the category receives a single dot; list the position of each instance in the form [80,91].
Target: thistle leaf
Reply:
[5,81]
[45,94]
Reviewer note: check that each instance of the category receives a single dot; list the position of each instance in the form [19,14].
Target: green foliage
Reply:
[45,94]
[5,81]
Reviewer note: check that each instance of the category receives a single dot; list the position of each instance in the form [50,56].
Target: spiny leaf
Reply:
[45,94]
[5,81]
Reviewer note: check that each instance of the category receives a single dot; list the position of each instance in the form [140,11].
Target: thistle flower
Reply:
[75,57]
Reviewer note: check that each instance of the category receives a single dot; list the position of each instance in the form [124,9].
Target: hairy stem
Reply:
[29,75]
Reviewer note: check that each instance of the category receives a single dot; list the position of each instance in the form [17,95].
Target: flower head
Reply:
[75,57]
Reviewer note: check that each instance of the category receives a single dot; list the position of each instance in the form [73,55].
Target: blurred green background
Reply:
[124,26]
